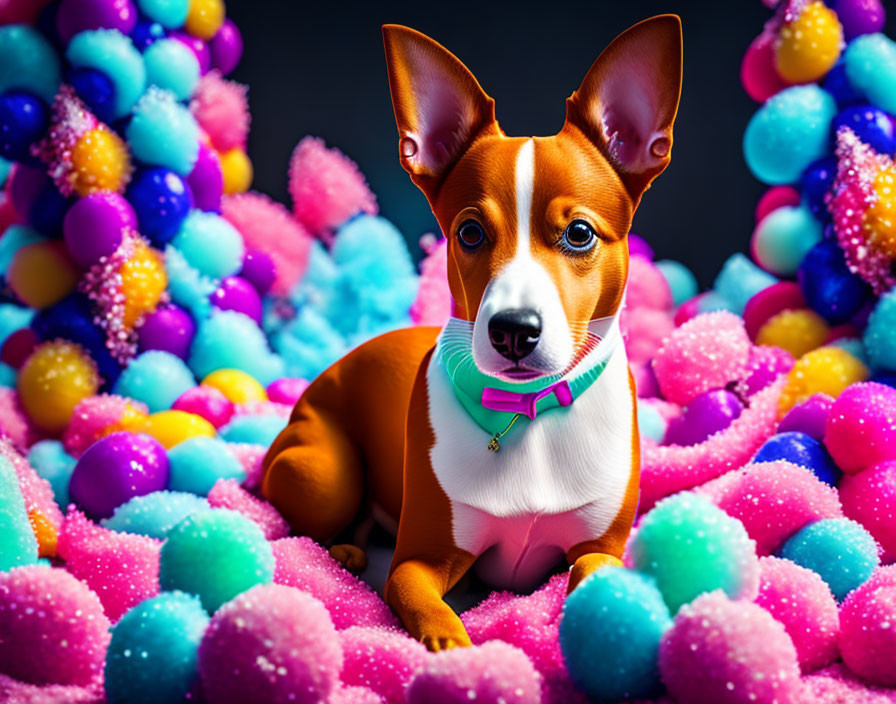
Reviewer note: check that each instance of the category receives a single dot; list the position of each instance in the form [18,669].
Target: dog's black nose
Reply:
[514,333]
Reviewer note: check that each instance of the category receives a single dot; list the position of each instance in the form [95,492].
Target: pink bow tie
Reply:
[525,403]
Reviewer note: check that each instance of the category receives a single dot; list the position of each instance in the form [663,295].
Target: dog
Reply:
[508,439]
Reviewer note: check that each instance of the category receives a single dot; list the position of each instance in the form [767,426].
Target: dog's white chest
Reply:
[557,481]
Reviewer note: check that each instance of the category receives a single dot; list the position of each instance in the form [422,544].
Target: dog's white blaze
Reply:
[524,180]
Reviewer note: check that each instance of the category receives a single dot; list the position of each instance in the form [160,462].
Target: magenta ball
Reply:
[198,47]
[207,181]
[259,270]
[869,497]
[758,74]
[860,16]
[765,365]
[226,47]
[170,329]
[206,402]
[237,294]
[707,414]
[809,417]
[24,186]
[75,16]
[94,226]
[115,469]
[287,390]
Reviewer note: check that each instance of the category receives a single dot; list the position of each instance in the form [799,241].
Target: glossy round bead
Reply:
[161,200]
[205,18]
[237,170]
[94,226]
[23,120]
[42,274]
[802,450]
[809,46]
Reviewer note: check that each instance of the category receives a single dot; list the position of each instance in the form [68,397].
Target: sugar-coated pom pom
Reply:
[273,644]
[740,280]
[869,497]
[14,426]
[827,370]
[765,366]
[155,378]
[186,286]
[880,335]
[306,565]
[197,463]
[53,463]
[172,66]
[867,635]
[797,331]
[381,660]
[222,110]
[54,627]
[809,44]
[171,428]
[861,427]
[216,555]
[207,402]
[230,340]
[494,673]
[838,549]
[725,652]
[800,449]
[621,614]
[871,67]
[97,416]
[162,132]
[705,353]
[682,282]
[809,417]
[154,514]
[210,244]
[19,546]
[258,430]
[647,287]
[287,390]
[758,75]
[152,656]
[800,600]
[227,493]
[28,62]
[112,53]
[327,187]
[171,14]
[433,303]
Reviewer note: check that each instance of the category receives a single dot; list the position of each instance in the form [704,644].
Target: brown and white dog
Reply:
[507,439]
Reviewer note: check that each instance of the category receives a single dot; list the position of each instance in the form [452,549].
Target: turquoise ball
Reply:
[170,65]
[210,244]
[8,376]
[156,378]
[651,423]
[254,430]
[18,546]
[784,237]
[53,463]
[196,464]
[13,317]
[28,62]
[610,633]
[870,62]
[14,238]
[739,280]
[5,168]
[713,301]
[788,133]
[113,54]
[154,514]
[152,656]
[216,555]
[681,280]
[171,14]
[880,334]
[840,550]
[231,340]
[187,287]
[162,132]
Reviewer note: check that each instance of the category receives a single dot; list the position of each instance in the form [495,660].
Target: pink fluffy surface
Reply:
[36,490]
[227,493]
[221,108]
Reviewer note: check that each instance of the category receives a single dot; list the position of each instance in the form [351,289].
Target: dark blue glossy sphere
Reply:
[815,182]
[802,450]
[147,33]
[23,120]
[837,84]
[872,125]
[48,211]
[830,288]
[161,200]
[97,91]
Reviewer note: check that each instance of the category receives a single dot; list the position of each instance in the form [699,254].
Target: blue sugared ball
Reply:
[23,120]
[170,13]
[197,463]
[230,340]
[815,182]
[152,656]
[170,65]
[156,378]
[112,53]
[739,280]
[610,634]
[681,280]
[872,125]
[162,200]
[97,91]
[838,549]
[788,133]
[19,546]
[154,514]
[48,211]
[146,33]
[784,237]
[880,334]
[255,430]
[53,463]
[28,62]
[837,84]
[830,288]
[651,423]
[163,132]
[210,244]
[802,450]
[871,68]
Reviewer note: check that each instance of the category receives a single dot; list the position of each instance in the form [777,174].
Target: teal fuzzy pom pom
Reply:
[156,378]
[13,317]
[169,13]
[5,167]
[255,430]
[880,334]
[215,554]
[681,280]
[713,301]
[152,656]
[854,346]
[690,547]
[210,244]
[18,545]
[113,54]
[197,463]
[784,237]
[838,549]
[28,62]
[650,423]
[14,238]
[163,132]
[188,287]
[610,634]
[8,376]
[154,514]
[170,65]
[308,344]
[870,62]
[53,463]
[788,133]
[740,279]
[230,340]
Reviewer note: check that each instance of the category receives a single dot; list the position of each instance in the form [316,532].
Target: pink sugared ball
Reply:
[774,198]
[262,408]
[226,47]
[775,499]
[222,109]
[647,287]
[236,294]
[869,497]
[433,303]
[306,565]
[54,629]
[801,600]
[809,417]
[720,651]
[861,429]
[705,353]
[251,457]
[784,295]
[207,402]
[868,632]
[14,425]
[92,419]
[381,660]
[644,330]
[688,310]
[765,365]
[37,491]
[758,74]
[287,390]
[494,673]
[122,568]
[13,690]
[327,187]
[355,695]
[227,493]
[273,644]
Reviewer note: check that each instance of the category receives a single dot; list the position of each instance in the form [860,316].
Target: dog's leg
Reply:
[587,563]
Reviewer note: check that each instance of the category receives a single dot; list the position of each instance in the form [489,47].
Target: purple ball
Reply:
[259,270]
[638,247]
[75,16]
[226,47]
[170,329]
[198,47]
[809,417]
[26,183]
[707,414]
[766,364]
[860,16]
[207,181]
[115,469]
[94,226]
[237,294]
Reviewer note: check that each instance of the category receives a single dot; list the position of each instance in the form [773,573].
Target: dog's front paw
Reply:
[588,564]
[353,558]
[435,643]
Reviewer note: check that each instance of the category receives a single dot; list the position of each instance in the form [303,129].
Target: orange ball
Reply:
[100,162]
[143,281]
[826,370]
[809,46]
[237,171]
[880,218]
[42,273]
[173,427]
[45,533]
[204,18]
[797,331]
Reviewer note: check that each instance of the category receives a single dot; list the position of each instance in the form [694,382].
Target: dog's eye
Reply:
[579,236]
[470,234]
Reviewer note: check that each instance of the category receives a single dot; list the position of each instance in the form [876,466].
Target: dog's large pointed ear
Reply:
[439,106]
[627,103]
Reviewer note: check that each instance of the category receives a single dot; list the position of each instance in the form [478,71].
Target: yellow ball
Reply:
[205,18]
[173,427]
[143,281]
[797,331]
[53,380]
[236,385]
[880,218]
[809,46]
[100,162]
[237,171]
[42,274]
[827,370]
